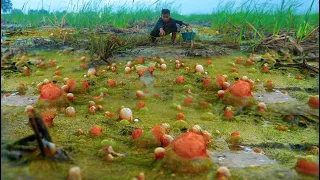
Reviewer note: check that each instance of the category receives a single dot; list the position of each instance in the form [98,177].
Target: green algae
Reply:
[84,148]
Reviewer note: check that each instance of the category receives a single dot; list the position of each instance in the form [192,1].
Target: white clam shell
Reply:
[64,87]
[46,81]
[140,94]
[196,128]
[168,137]
[70,95]
[220,92]
[127,69]
[226,84]
[70,111]
[163,66]
[245,78]
[126,113]
[159,150]
[92,71]
[199,68]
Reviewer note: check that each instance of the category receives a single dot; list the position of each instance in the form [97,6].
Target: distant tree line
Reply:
[33,11]
[30,11]
[6,6]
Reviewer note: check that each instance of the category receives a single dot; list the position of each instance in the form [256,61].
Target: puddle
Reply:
[273,97]
[284,104]
[294,108]
[35,41]
[240,159]
[17,100]
[160,51]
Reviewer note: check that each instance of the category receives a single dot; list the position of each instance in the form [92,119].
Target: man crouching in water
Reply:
[165,26]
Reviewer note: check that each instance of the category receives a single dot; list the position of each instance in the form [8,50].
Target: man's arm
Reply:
[159,26]
[180,22]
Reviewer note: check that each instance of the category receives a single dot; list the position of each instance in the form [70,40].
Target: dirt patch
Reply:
[163,49]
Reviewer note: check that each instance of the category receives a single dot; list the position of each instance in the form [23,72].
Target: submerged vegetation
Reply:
[238,102]
[257,130]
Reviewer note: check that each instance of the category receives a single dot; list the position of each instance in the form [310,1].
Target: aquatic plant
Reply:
[104,46]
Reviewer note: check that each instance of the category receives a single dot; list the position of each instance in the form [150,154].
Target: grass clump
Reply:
[105,46]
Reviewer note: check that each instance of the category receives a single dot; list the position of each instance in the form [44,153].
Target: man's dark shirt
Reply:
[170,24]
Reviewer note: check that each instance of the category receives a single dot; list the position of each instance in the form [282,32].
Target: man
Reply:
[165,26]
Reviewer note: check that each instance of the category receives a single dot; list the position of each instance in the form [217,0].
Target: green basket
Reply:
[188,36]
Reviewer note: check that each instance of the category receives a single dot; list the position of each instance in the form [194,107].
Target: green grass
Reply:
[92,14]
[262,18]
[265,18]
[250,22]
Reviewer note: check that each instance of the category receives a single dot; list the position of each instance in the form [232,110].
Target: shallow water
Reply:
[17,100]
[240,159]
[84,148]
[273,97]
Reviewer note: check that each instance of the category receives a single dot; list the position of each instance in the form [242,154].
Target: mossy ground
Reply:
[84,148]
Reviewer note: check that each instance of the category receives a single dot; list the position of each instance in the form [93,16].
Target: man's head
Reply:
[165,15]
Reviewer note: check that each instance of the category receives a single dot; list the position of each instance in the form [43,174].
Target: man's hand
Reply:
[162,33]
